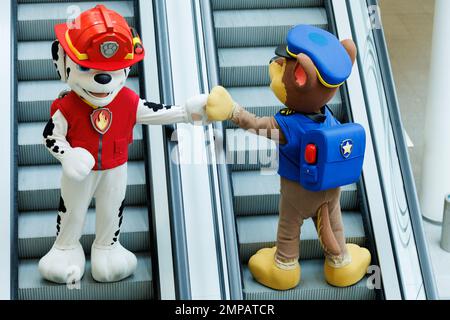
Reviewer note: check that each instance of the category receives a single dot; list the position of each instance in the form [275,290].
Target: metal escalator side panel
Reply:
[234,275]
[413,261]
[156,158]
[430,286]
[205,265]
[373,186]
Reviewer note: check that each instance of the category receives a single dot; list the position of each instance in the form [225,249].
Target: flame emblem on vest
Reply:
[101,120]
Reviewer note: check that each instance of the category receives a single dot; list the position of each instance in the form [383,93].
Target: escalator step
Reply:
[262,102]
[245,66]
[36,97]
[39,186]
[261,4]
[35,242]
[36,22]
[138,286]
[311,287]
[33,152]
[257,193]
[244,28]
[257,232]
[35,61]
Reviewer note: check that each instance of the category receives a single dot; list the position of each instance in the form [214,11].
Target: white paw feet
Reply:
[63,266]
[112,263]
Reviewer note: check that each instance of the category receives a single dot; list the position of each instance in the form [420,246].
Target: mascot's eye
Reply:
[83,68]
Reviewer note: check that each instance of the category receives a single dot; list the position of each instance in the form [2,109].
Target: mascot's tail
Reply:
[326,236]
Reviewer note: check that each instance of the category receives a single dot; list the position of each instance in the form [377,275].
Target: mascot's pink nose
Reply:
[102,78]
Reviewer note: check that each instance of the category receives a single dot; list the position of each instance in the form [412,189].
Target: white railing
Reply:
[6,145]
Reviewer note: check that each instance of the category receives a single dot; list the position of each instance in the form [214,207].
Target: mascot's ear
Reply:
[59,59]
[305,71]
[350,47]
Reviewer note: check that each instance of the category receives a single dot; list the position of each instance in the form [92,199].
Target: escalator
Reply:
[161,223]
[39,173]
[246,34]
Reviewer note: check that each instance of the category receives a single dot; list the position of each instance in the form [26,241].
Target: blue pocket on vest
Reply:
[332,157]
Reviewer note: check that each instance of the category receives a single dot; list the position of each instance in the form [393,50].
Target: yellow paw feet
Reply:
[352,273]
[264,269]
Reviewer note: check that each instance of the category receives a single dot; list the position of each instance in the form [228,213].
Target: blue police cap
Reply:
[333,64]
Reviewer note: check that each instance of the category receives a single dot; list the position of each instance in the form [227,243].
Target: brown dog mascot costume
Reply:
[297,83]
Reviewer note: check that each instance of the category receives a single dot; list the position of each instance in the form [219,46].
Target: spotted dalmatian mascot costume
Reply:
[89,132]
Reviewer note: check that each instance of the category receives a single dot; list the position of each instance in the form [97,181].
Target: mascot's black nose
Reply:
[102,78]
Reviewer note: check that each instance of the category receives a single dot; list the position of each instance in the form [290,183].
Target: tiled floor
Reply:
[408,26]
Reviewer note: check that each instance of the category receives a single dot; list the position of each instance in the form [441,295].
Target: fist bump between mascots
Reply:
[89,132]
[305,75]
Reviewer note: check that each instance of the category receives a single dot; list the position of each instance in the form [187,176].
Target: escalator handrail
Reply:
[226,194]
[403,155]
[177,220]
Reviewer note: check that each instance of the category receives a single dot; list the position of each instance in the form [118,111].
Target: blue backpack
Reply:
[332,157]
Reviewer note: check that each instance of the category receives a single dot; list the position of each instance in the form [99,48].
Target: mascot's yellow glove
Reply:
[220,105]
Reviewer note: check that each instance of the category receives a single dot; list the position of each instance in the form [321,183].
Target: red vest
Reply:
[109,150]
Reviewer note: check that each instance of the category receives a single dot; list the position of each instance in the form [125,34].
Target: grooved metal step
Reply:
[35,242]
[256,193]
[32,151]
[39,186]
[262,102]
[260,27]
[35,61]
[137,287]
[245,66]
[36,22]
[312,287]
[257,232]
[36,97]
[262,4]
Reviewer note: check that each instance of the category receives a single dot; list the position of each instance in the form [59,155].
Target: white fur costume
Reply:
[65,262]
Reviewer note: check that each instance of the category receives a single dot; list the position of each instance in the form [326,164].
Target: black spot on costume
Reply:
[55,48]
[62,206]
[156,106]
[50,143]
[48,130]
[120,215]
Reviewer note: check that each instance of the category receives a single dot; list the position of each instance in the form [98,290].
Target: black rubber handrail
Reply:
[177,220]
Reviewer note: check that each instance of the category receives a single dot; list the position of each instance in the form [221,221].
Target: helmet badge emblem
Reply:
[109,48]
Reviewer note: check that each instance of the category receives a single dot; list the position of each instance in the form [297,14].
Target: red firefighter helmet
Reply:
[100,39]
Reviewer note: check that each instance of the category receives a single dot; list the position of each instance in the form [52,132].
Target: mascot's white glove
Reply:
[77,163]
[196,109]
